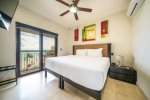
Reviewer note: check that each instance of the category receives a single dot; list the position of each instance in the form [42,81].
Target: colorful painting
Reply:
[89,33]
[104,29]
[76,34]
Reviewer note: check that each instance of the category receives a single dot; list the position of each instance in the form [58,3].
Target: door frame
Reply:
[18,46]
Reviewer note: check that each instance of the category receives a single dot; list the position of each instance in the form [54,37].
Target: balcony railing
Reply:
[30,59]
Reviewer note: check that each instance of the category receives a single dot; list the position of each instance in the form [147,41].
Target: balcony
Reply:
[30,60]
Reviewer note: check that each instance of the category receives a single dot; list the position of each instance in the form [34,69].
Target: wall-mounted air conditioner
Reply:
[134,7]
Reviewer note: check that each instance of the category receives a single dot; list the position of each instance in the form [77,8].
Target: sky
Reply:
[31,42]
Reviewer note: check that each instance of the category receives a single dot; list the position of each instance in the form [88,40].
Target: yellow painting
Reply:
[89,33]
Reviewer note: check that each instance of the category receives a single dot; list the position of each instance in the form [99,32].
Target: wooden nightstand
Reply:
[123,73]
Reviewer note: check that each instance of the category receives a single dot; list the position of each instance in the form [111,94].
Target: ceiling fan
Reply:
[73,8]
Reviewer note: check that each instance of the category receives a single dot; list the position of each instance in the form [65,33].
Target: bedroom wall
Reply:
[141,46]
[23,15]
[119,28]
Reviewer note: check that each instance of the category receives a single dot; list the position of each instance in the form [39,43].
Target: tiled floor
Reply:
[37,87]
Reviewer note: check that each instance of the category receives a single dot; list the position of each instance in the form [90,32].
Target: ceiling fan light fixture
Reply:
[73,9]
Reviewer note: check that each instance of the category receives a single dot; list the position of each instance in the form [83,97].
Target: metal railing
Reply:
[30,59]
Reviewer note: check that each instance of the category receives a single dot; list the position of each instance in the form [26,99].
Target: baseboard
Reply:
[141,89]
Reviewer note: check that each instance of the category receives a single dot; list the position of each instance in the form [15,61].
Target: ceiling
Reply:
[51,9]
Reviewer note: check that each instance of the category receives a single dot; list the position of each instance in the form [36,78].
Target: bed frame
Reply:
[95,94]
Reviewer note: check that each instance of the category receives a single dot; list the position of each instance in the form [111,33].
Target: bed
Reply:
[91,70]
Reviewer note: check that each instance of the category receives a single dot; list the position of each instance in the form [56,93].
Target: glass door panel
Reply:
[48,47]
[29,51]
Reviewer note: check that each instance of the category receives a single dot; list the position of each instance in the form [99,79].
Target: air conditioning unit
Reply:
[134,7]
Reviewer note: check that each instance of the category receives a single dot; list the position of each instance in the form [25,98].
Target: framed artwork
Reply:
[76,34]
[104,29]
[89,33]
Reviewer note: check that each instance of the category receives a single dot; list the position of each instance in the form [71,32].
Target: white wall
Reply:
[141,46]
[119,28]
[23,15]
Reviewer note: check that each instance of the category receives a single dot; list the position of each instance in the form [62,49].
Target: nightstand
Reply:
[123,73]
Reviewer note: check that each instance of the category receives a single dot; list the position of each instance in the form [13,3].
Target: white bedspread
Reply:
[90,72]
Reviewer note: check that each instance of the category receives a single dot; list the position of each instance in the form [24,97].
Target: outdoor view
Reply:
[30,50]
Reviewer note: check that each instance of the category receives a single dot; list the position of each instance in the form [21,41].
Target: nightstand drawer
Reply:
[122,71]
[122,77]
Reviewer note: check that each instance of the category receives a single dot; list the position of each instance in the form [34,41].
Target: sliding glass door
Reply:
[29,51]
[48,47]
[34,45]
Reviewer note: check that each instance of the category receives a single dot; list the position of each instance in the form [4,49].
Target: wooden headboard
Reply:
[106,48]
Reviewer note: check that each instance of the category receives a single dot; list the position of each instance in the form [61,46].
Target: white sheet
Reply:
[90,72]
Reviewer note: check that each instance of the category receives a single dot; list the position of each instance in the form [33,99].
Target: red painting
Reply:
[76,34]
[104,29]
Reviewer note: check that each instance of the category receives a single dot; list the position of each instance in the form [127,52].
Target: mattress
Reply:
[90,72]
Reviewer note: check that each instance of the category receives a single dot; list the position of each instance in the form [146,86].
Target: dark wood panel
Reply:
[121,77]
[120,73]
[93,46]
[106,48]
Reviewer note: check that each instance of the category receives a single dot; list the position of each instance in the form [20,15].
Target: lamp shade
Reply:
[120,60]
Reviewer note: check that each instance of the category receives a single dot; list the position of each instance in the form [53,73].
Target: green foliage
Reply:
[29,55]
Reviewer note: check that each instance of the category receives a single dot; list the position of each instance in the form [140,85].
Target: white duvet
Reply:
[90,72]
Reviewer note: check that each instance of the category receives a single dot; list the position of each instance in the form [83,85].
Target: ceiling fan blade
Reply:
[64,13]
[85,9]
[76,2]
[76,16]
[63,2]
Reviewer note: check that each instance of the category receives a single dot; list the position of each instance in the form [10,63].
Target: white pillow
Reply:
[95,52]
[81,52]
